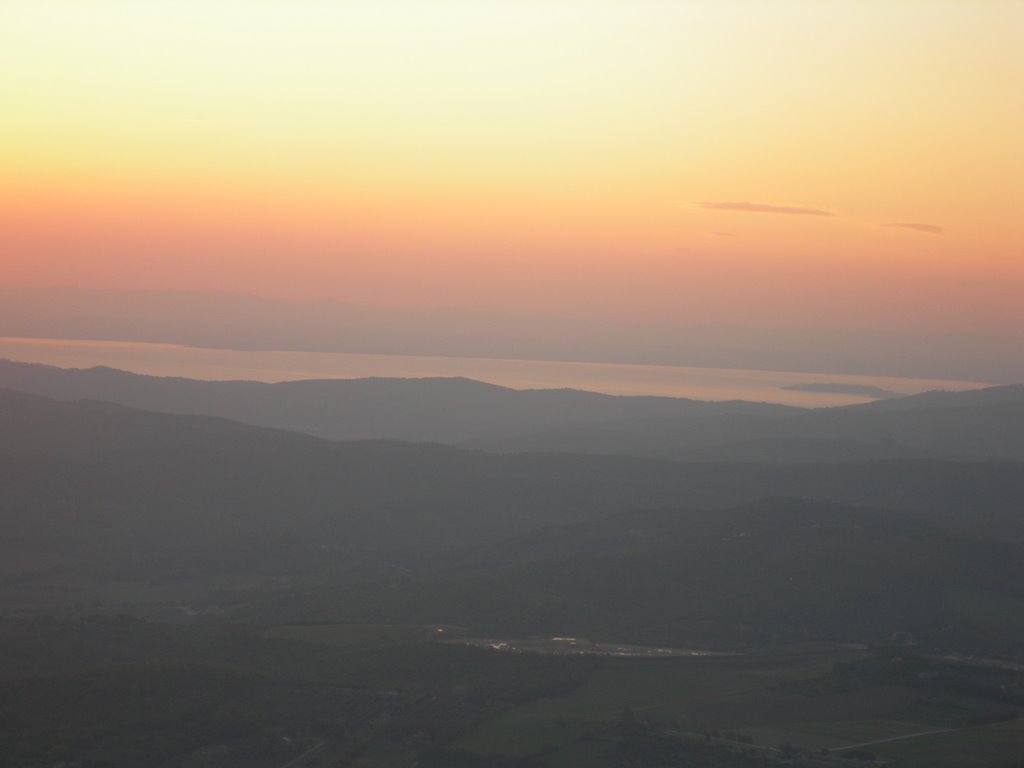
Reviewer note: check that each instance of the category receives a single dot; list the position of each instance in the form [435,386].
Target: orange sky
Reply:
[537,157]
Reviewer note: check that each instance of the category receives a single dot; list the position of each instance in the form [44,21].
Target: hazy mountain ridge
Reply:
[271,534]
[972,425]
[93,478]
[1001,395]
[449,410]
[852,433]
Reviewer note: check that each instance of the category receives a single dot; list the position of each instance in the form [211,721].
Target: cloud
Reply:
[928,229]
[762,208]
[791,210]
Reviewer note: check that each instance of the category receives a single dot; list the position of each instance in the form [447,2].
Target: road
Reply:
[919,734]
[299,760]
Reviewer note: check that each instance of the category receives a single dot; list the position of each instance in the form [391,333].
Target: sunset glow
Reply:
[807,162]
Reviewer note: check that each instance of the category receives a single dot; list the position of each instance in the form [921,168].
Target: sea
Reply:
[611,378]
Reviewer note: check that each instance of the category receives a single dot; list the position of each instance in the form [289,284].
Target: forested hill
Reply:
[94,479]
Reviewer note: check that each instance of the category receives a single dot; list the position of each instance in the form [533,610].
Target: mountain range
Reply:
[972,425]
[373,500]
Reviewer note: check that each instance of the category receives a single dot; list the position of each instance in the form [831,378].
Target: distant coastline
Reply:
[839,388]
[806,390]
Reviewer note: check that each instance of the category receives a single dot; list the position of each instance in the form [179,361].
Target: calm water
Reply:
[669,380]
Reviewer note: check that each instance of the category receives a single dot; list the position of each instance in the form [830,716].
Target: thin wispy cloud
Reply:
[928,229]
[764,208]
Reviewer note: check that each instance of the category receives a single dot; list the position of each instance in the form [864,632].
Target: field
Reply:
[347,635]
[131,692]
[696,694]
[991,746]
[746,701]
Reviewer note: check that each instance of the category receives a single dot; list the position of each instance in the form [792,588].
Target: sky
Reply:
[811,163]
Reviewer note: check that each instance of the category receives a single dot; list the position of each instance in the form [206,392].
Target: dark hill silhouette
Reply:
[306,529]
[973,425]
[854,433]
[447,410]
[1002,395]
[107,483]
